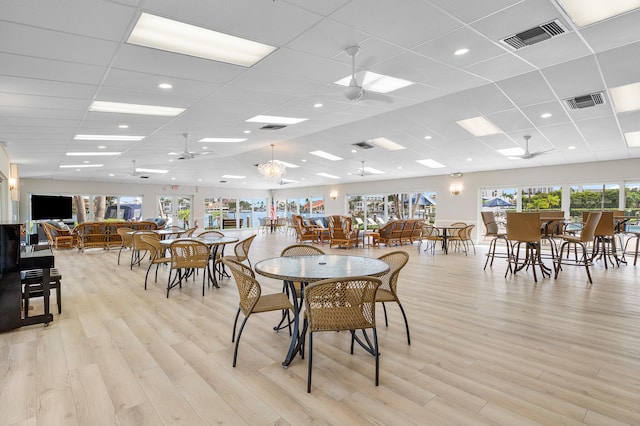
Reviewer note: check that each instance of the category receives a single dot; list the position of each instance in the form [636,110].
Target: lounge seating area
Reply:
[401,231]
[105,234]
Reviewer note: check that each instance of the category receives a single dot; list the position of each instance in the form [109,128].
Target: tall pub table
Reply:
[308,269]
[13,259]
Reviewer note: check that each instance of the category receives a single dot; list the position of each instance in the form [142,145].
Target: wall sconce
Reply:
[455,188]
[13,182]
[334,195]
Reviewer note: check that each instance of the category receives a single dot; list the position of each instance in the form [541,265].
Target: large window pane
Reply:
[212,213]
[317,206]
[593,197]
[632,198]
[229,210]
[541,199]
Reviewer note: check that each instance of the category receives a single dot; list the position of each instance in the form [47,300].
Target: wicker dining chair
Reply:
[342,304]
[241,250]
[186,257]
[586,236]
[388,290]
[157,254]
[139,248]
[126,234]
[252,301]
[299,250]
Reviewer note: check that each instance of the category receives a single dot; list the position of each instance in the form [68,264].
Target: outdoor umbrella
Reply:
[498,202]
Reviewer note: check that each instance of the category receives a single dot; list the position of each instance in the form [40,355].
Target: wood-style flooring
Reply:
[485,350]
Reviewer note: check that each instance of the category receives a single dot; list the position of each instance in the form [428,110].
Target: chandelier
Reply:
[272,170]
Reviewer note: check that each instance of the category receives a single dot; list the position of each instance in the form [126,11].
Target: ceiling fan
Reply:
[136,173]
[529,155]
[186,154]
[363,170]
[355,92]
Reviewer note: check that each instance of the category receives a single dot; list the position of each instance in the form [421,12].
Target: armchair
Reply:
[342,233]
[304,232]
[58,237]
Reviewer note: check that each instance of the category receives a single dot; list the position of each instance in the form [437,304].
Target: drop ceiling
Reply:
[59,57]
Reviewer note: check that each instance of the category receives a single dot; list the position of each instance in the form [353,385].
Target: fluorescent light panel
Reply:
[123,138]
[159,171]
[479,126]
[124,108]
[327,175]
[326,155]
[377,82]
[223,140]
[272,119]
[431,163]
[373,171]
[177,37]
[79,166]
[633,139]
[287,165]
[586,12]
[387,144]
[233,177]
[626,98]
[509,152]
[92,154]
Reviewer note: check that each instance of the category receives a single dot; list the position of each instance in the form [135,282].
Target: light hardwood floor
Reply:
[485,350]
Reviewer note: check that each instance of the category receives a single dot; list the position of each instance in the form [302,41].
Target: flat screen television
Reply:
[51,207]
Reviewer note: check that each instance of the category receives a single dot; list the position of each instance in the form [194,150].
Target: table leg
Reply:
[296,339]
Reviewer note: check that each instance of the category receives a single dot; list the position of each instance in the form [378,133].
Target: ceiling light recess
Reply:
[272,119]
[223,140]
[387,144]
[178,37]
[586,12]
[78,166]
[327,175]
[626,98]
[123,108]
[479,126]
[121,138]
[92,154]
[633,139]
[326,155]
[376,82]
[431,163]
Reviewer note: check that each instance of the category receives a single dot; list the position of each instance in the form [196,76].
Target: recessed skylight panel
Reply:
[326,155]
[178,37]
[479,126]
[626,98]
[123,108]
[387,144]
[271,119]
[587,12]
[431,163]
[377,82]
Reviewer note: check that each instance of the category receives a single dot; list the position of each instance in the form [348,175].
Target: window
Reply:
[540,199]
[593,197]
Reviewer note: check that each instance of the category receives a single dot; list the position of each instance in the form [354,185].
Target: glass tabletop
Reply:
[319,267]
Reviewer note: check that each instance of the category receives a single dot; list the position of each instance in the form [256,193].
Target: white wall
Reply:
[463,207]
[8,209]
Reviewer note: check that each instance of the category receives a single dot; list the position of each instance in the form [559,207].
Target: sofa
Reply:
[401,231]
[105,234]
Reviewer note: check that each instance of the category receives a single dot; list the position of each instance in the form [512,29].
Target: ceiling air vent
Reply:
[585,101]
[273,127]
[535,35]
[364,145]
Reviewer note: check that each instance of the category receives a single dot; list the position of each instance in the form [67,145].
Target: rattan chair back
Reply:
[490,225]
[189,254]
[396,261]
[241,249]
[301,250]
[127,236]
[341,304]
[249,288]
[523,227]
[590,226]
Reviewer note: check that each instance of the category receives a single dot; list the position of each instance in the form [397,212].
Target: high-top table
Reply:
[308,269]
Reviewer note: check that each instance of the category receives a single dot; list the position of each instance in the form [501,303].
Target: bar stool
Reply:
[585,237]
[491,230]
[34,287]
[604,245]
[525,228]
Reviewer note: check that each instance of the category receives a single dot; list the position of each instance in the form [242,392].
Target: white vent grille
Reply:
[585,101]
[535,35]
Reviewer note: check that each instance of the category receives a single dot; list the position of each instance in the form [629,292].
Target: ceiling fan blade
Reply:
[544,151]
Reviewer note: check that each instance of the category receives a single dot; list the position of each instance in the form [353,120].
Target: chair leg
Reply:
[235,323]
[377,355]
[406,323]
[235,350]
[147,274]
[384,309]
[59,296]
[310,362]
